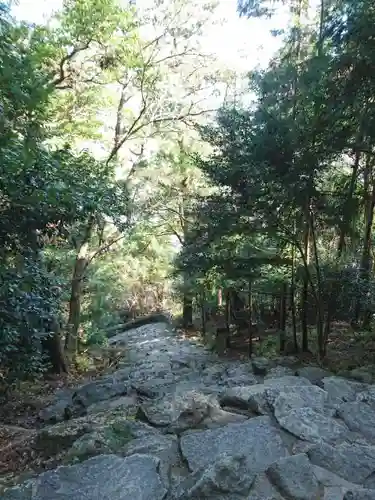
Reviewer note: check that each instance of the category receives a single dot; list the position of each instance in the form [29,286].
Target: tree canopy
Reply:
[133,180]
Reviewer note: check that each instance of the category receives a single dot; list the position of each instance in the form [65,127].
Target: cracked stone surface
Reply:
[175,422]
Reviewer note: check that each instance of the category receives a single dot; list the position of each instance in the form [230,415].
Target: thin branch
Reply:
[179,54]
[120,108]
[62,76]
[103,249]
[135,163]
[117,146]
[163,119]
[178,236]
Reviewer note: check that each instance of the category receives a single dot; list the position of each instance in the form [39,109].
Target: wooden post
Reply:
[250,320]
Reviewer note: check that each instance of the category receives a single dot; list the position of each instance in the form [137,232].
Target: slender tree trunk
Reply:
[187,308]
[347,206]
[283,315]
[227,318]
[319,294]
[237,304]
[203,312]
[51,345]
[305,288]
[365,264]
[71,339]
[292,300]
[250,319]
[187,311]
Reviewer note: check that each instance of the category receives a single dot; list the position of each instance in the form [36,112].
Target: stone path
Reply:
[176,423]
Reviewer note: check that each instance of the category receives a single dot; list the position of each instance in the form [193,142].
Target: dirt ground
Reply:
[347,348]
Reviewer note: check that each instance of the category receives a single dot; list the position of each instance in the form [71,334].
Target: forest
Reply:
[137,179]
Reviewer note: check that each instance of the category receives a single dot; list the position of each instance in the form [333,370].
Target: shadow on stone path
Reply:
[176,422]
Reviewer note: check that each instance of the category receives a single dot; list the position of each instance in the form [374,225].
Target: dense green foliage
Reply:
[104,179]
[83,99]
[294,172]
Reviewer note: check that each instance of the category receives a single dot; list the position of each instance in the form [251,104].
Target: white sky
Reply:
[239,43]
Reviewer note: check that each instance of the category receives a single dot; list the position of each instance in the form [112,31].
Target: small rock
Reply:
[290,361]
[294,477]
[360,494]
[287,381]
[362,374]
[251,397]
[60,410]
[127,403]
[305,396]
[228,475]
[278,371]
[261,365]
[313,373]
[87,446]
[262,489]
[334,493]
[184,410]
[99,390]
[256,397]
[367,396]
[329,479]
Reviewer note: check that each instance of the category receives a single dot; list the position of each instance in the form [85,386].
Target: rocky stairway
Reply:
[174,422]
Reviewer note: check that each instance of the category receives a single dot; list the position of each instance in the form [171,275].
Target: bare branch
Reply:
[62,75]
[178,236]
[103,249]
[120,108]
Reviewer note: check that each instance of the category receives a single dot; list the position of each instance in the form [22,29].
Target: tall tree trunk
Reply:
[227,317]
[187,311]
[283,314]
[293,299]
[250,318]
[305,287]
[319,294]
[365,263]
[237,304]
[52,348]
[203,311]
[344,228]
[81,262]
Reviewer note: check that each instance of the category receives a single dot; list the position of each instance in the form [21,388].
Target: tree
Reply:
[144,74]
[280,165]
[46,193]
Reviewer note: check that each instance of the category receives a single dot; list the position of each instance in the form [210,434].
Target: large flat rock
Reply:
[352,462]
[342,389]
[257,397]
[257,439]
[359,417]
[311,425]
[106,477]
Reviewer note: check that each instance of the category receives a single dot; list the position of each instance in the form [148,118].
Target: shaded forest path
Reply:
[176,422]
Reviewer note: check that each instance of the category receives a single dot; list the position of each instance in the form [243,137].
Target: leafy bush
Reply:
[29,303]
